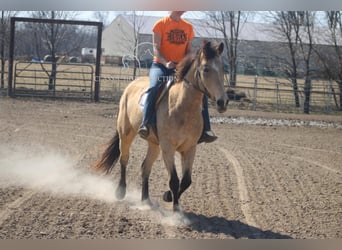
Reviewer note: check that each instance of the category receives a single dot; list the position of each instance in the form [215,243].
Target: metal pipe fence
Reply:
[256,92]
[273,94]
[70,80]
[115,79]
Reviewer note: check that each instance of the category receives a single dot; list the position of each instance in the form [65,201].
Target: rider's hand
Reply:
[170,65]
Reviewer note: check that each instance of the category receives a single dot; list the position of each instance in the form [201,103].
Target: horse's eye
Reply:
[206,70]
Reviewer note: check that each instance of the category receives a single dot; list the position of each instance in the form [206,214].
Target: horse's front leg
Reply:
[152,154]
[187,162]
[173,179]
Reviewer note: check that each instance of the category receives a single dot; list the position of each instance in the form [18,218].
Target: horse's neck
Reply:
[185,93]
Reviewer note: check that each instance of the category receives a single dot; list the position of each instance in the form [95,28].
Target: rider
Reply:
[172,37]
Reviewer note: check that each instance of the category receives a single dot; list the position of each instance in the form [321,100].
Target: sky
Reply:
[88,15]
[258,16]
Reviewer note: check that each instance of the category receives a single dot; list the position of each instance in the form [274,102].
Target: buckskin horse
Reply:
[179,121]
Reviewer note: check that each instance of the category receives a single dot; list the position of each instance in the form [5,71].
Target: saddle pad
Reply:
[163,88]
[142,100]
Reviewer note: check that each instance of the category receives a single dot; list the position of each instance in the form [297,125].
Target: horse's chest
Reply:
[181,120]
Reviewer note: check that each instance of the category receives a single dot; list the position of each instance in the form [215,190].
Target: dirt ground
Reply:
[253,182]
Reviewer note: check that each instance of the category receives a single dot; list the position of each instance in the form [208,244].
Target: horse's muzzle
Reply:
[221,105]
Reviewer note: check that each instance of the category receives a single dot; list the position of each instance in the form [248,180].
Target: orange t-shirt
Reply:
[175,37]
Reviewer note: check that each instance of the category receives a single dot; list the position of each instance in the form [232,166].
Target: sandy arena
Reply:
[263,180]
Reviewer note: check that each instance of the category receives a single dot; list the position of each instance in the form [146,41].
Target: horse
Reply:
[179,122]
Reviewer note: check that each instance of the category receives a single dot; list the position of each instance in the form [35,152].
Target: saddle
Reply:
[161,92]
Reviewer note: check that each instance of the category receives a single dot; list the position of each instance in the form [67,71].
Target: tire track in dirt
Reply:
[243,191]
[270,187]
[287,195]
[12,207]
[317,164]
[336,171]
[258,182]
[307,148]
[290,192]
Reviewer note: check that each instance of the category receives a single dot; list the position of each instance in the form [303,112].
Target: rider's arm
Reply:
[158,54]
[188,48]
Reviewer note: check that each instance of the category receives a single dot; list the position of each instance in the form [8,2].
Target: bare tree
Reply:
[104,16]
[228,24]
[331,57]
[306,50]
[101,16]
[287,27]
[131,37]
[52,36]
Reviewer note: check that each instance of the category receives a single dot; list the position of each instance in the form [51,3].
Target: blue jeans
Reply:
[159,74]
[205,114]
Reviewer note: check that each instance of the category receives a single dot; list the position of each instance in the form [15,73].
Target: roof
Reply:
[249,31]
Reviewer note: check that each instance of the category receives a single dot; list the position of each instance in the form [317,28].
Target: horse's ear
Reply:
[206,45]
[207,51]
[220,48]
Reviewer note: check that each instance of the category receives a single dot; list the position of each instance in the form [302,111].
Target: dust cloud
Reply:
[45,170]
[50,171]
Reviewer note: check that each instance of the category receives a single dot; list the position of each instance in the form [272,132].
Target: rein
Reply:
[201,88]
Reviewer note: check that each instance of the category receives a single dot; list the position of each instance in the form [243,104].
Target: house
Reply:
[119,41]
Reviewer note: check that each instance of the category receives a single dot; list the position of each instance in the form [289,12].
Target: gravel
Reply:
[276,122]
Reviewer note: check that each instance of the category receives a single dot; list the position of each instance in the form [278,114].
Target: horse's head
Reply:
[210,74]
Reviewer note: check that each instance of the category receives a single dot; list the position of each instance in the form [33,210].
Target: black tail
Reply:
[109,156]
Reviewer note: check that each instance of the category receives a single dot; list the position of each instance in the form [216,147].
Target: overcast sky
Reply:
[88,15]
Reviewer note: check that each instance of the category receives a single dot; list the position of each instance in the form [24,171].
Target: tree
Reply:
[131,37]
[105,16]
[101,16]
[331,57]
[306,50]
[50,37]
[287,27]
[228,24]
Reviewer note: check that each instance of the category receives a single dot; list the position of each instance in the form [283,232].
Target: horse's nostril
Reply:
[220,103]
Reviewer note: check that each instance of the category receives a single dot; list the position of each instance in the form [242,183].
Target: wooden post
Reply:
[98,63]
[307,92]
[255,92]
[277,94]
[10,59]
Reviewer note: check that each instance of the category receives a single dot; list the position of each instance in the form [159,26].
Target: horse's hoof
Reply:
[147,202]
[167,196]
[120,193]
[176,208]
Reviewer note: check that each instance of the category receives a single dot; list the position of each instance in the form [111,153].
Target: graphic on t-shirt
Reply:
[177,36]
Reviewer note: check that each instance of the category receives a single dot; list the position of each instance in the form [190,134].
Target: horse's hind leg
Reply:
[125,143]
[152,154]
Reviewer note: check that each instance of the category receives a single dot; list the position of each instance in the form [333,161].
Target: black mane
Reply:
[183,67]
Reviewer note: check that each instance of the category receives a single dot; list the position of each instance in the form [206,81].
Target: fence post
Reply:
[277,94]
[98,63]
[10,58]
[255,92]
[307,92]
[328,102]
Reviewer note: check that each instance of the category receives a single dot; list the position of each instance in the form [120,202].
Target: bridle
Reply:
[199,87]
